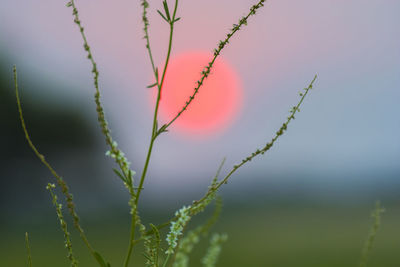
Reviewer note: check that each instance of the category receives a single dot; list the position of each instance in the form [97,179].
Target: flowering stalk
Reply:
[207,69]
[63,224]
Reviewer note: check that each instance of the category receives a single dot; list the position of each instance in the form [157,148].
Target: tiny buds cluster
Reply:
[50,186]
[199,206]
[254,8]
[63,224]
[86,46]
[243,21]
[117,154]
[176,228]
[122,161]
[138,222]
[145,20]
[152,246]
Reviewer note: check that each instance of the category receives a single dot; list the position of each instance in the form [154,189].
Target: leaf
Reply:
[123,178]
[161,130]
[147,257]
[152,85]
[155,232]
[156,74]
[130,174]
[100,260]
[166,10]
[162,15]
[176,20]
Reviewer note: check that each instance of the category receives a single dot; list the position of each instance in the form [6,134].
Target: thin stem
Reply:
[153,137]
[267,147]
[28,250]
[60,181]
[166,260]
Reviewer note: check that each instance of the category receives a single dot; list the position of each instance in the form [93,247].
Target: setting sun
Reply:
[216,103]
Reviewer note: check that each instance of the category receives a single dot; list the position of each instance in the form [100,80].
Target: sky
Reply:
[348,127]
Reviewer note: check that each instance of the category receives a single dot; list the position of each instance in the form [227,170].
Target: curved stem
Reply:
[60,180]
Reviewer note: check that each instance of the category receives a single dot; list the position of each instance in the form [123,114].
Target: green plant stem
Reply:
[28,250]
[153,137]
[154,129]
[60,181]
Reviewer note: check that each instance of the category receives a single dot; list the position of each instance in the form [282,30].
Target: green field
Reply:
[312,237]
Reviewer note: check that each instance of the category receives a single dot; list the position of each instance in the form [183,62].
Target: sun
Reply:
[215,106]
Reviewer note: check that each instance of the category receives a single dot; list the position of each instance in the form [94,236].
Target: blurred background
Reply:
[306,203]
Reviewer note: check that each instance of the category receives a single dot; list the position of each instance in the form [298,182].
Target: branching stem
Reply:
[155,116]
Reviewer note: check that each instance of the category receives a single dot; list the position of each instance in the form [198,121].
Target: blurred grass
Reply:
[322,236]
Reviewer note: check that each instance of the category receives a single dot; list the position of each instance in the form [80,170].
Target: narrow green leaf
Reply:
[100,260]
[130,174]
[162,15]
[119,175]
[166,10]
[152,85]
[147,257]
[156,232]
[156,74]
[28,249]
[176,20]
